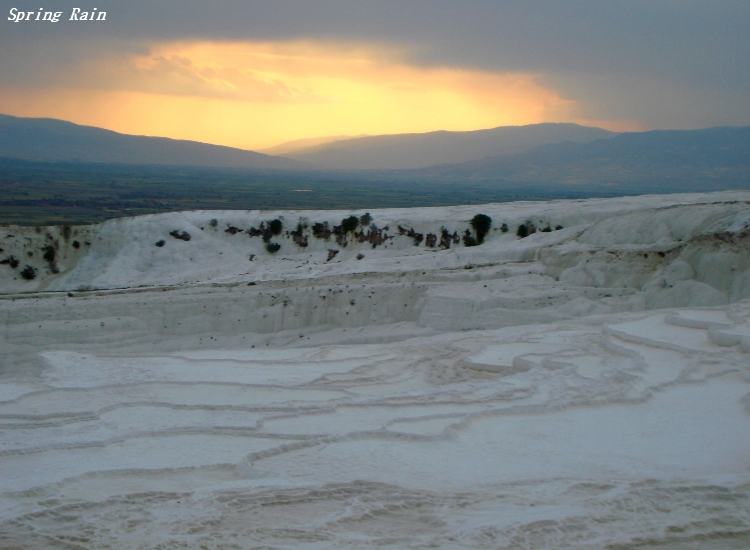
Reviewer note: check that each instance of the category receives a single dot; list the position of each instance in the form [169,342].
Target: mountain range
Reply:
[551,154]
[407,151]
[685,158]
[47,139]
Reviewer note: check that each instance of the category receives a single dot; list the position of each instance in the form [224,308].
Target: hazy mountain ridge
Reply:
[656,161]
[719,155]
[49,139]
[408,151]
[304,144]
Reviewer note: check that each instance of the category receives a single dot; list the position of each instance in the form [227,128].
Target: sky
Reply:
[256,73]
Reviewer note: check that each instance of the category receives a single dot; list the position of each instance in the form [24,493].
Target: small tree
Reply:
[469,240]
[481,224]
[214,222]
[49,253]
[28,273]
[504,228]
[275,226]
[273,247]
[365,219]
[523,231]
[349,224]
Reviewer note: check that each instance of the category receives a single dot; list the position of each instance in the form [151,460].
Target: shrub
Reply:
[28,273]
[214,222]
[360,256]
[469,240]
[273,247]
[321,231]
[181,235]
[349,224]
[504,228]
[76,244]
[481,224]
[558,227]
[49,253]
[523,231]
[365,219]
[13,262]
[275,226]
[160,243]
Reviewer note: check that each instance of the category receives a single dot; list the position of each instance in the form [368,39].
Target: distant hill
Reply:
[48,139]
[407,151]
[289,147]
[693,159]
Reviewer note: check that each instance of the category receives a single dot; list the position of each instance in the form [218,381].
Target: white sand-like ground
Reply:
[585,388]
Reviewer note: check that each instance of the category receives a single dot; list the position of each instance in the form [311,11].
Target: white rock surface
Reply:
[582,388]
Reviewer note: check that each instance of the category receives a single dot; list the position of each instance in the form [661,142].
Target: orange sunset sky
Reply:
[255,74]
[257,94]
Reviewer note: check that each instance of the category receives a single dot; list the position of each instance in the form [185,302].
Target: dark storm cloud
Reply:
[625,58]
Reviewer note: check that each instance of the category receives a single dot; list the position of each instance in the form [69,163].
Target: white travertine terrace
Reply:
[580,388]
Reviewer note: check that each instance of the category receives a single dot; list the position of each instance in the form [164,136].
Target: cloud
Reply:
[666,64]
[210,91]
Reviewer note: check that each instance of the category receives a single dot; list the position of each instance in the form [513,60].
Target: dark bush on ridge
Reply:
[181,235]
[349,224]
[523,231]
[275,226]
[273,247]
[365,219]
[10,260]
[49,253]
[28,273]
[481,224]
[469,240]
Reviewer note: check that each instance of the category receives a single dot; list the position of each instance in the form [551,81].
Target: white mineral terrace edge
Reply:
[586,387]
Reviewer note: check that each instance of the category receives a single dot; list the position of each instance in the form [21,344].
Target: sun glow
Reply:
[254,95]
